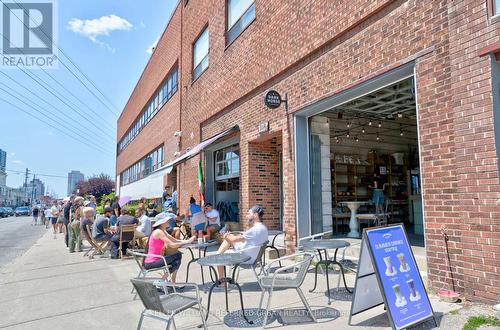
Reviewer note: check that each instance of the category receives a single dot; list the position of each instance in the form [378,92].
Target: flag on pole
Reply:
[200,184]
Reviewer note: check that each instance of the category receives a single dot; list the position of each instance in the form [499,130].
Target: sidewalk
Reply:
[48,288]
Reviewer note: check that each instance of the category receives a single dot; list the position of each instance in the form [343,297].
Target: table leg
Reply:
[353,223]
[241,301]
[210,297]
[316,275]
[187,268]
[343,275]
[225,290]
[327,264]
[201,269]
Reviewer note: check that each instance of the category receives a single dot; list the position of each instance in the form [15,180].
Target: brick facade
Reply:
[314,49]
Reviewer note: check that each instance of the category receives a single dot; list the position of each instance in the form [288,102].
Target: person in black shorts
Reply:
[35,215]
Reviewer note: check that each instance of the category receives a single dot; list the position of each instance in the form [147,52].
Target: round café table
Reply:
[200,247]
[225,260]
[322,245]
[353,223]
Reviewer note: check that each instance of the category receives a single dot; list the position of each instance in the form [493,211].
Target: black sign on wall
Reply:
[273,99]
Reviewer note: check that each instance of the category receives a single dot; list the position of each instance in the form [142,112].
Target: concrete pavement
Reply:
[48,288]
[16,237]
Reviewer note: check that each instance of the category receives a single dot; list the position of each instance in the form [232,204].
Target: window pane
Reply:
[200,49]
[496,7]
[235,166]
[235,9]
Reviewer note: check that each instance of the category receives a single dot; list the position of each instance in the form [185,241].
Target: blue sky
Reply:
[108,40]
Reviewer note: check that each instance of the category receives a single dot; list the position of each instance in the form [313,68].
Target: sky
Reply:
[110,41]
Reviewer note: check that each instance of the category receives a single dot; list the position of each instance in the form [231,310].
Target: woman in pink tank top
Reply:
[159,239]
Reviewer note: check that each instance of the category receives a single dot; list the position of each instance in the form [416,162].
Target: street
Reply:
[17,235]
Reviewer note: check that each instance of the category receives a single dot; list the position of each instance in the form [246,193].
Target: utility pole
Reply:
[26,186]
[33,190]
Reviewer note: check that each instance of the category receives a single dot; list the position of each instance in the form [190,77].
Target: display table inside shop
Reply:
[353,223]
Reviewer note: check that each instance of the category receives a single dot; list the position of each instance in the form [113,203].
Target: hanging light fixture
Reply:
[337,139]
[378,137]
[400,115]
[379,124]
[356,139]
[348,124]
[348,134]
[363,130]
[370,123]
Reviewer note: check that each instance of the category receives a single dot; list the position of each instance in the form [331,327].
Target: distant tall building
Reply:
[73,178]
[3,167]
[35,189]
[3,160]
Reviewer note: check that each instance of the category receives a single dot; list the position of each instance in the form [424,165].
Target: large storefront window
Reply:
[227,182]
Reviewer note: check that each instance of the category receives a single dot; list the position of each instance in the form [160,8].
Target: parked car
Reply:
[3,213]
[10,210]
[22,210]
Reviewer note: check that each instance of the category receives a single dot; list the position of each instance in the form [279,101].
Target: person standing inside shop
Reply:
[378,197]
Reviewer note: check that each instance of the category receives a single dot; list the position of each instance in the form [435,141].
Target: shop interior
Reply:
[353,143]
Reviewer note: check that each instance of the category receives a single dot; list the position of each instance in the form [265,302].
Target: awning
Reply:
[197,149]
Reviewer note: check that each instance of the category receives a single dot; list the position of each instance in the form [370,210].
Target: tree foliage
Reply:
[97,185]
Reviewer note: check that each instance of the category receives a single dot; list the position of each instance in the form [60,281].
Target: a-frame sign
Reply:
[388,274]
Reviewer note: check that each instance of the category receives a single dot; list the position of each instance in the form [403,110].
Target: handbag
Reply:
[168,251]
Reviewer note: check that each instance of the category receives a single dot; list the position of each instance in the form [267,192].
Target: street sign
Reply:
[272,99]
[388,274]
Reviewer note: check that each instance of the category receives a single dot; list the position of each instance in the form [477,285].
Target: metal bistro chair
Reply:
[127,233]
[258,262]
[287,277]
[165,307]
[143,272]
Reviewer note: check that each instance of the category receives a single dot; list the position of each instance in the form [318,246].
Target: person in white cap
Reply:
[160,240]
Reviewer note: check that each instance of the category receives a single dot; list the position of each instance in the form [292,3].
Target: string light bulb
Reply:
[401,130]
[379,124]
[378,137]
[348,134]
[348,124]
[363,130]
[370,123]
[356,139]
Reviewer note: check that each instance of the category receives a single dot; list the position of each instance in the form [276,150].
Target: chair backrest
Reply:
[149,294]
[303,267]
[262,250]
[88,236]
[127,232]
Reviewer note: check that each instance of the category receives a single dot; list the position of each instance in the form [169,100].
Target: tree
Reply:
[97,185]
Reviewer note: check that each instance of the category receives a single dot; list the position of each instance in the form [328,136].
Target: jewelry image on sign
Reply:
[400,299]
[414,295]
[390,269]
[403,267]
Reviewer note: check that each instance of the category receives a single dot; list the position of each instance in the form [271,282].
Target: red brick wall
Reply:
[314,49]
[264,179]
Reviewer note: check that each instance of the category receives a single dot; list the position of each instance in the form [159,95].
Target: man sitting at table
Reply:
[124,219]
[248,243]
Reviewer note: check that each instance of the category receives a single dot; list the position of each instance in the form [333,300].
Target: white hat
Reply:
[162,218]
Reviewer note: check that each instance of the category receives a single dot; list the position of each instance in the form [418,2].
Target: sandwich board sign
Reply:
[388,274]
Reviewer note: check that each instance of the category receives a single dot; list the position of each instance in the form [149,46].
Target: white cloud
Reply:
[152,47]
[12,154]
[17,161]
[102,26]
